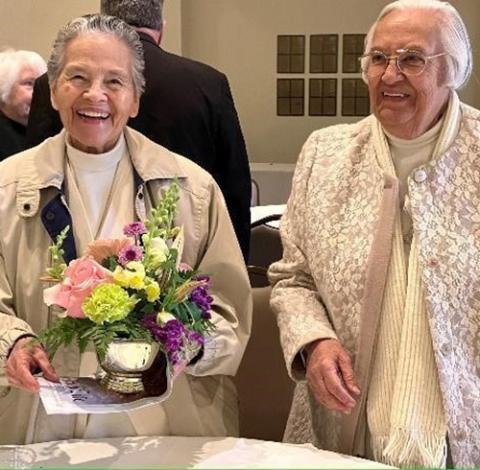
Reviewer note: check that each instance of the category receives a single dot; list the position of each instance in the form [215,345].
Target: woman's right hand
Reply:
[330,375]
[25,358]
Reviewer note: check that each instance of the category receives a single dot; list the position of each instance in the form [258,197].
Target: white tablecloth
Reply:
[195,452]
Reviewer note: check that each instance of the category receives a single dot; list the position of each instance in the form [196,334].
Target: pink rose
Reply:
[81,277]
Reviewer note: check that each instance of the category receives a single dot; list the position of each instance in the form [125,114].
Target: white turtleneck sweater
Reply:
[94,174]
[407,155]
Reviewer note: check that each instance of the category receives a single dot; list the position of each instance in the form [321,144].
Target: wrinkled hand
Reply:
[25,358]
[330,375]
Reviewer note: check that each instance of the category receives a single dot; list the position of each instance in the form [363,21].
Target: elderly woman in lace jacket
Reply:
[378,291]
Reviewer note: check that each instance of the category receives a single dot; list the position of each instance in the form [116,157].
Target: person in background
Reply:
[187,107]
[18,71]
[378,291]
[96,176]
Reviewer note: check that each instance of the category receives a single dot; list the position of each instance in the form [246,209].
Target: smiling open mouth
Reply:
[390,95]
[93,115]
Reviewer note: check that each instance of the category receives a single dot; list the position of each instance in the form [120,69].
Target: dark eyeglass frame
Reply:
[399,54]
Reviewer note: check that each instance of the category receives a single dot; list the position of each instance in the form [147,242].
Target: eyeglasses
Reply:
[408,62]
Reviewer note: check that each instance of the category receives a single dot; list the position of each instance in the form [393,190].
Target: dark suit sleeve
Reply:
[232,170]
[43,121]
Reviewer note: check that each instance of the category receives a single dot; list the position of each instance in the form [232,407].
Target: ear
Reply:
[164,25]
[53,97]
[135,107]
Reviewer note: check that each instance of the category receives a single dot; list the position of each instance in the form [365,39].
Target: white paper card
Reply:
[85,395]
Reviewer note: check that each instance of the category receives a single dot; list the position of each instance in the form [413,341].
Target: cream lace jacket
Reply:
[337,236]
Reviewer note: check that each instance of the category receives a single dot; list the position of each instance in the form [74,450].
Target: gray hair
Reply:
[453,37]
[138,13]
[98,24]
[12,63]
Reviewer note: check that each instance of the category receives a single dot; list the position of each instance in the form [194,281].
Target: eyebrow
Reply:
[410,47]
[72,68]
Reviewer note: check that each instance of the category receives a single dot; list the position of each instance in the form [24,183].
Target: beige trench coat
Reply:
[337,234]
[203,401]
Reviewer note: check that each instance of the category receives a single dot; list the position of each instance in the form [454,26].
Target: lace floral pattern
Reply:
[328,232]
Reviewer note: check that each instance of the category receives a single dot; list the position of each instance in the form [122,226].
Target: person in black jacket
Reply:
[187,107]
[18,71]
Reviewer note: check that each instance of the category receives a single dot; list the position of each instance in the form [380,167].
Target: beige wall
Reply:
[33,24]
[239,37]
[172,34]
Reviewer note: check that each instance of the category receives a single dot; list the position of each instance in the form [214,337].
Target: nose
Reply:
[392,73]
[95,91]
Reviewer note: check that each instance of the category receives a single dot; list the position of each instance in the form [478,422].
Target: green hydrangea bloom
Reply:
[108,303]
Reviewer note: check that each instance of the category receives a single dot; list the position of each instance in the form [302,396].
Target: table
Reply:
[260,212]
[194,452]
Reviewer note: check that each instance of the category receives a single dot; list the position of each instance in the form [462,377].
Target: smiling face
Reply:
[94,92]
[18,103]
[408,106]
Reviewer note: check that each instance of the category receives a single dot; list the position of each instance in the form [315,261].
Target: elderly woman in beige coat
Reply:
[96,176]
[378,291]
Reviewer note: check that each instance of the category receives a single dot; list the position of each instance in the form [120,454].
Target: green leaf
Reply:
[58,265]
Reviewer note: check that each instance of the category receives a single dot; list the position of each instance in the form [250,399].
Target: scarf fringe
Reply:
[408,448]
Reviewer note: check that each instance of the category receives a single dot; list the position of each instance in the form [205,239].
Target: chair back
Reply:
[265,390]
[255,197]
[265,248]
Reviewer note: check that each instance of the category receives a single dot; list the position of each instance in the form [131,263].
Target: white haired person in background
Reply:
[18,71]
[378,291]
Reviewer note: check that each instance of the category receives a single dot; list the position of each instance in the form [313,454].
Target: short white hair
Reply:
[98,24]
[453,37]
[11,64]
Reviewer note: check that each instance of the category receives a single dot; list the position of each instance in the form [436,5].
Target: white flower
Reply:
[158,252]
[164,317]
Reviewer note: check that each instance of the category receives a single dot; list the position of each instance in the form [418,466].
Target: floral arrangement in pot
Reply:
[131,298]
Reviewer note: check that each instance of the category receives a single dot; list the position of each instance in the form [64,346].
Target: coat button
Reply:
[26,207]
[420,176]
[50,215]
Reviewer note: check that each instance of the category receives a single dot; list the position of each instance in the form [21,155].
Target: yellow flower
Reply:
[132,276]
[152,289]
[108,303]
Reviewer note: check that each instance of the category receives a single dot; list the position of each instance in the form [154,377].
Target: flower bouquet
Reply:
[131,298]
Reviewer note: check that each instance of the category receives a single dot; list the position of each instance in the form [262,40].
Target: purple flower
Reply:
[134,229]
[197,337]
[170,336]
[201,298]
[130,253]
[205,278]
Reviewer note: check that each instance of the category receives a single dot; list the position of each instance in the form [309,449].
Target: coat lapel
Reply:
[55,217]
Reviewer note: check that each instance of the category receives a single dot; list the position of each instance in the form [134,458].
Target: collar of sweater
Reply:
[95,162]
